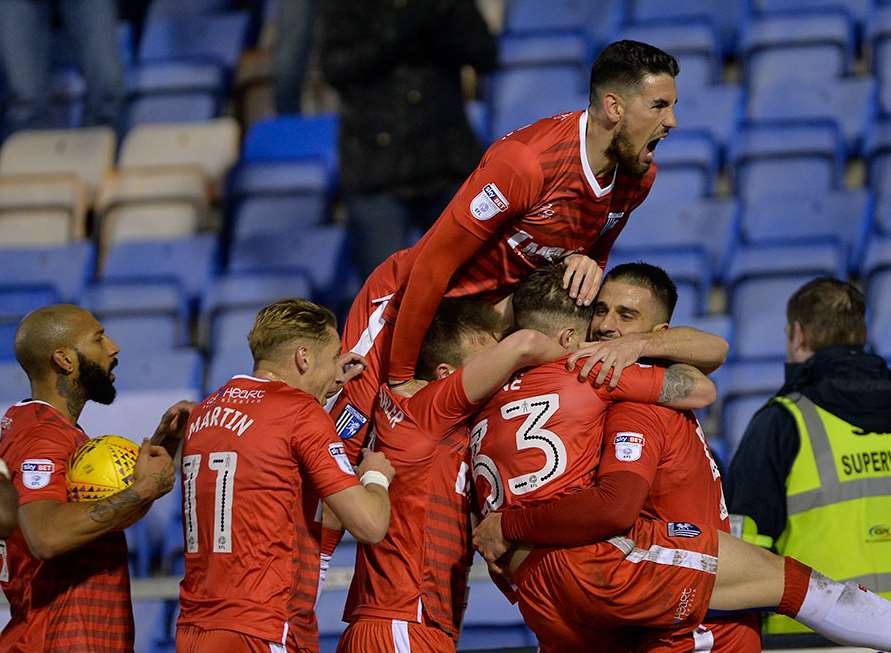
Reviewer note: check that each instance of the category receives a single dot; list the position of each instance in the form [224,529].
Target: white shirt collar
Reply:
[583,153]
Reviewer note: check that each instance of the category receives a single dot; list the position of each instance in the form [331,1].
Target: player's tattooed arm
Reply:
[52,528]
[685,387]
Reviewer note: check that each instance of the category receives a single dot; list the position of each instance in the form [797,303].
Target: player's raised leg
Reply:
[847,613]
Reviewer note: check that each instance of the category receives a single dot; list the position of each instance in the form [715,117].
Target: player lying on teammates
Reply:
[654,461]
[259,454]
[411,587]
[563,187]
[534,442]
[65,568]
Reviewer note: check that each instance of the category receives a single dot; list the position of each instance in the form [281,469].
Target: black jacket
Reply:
[396,65]
[849,383]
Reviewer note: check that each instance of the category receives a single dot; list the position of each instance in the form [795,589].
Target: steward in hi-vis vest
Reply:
[811,477]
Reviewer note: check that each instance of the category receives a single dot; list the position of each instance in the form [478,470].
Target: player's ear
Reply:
[612,106]
[302,358]
[799,337]
[661,327]
[64,359]
[568,338]
[443,370]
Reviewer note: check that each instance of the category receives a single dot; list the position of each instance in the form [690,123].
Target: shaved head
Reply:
[46,330]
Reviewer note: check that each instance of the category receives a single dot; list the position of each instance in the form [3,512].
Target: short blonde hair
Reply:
[285,321]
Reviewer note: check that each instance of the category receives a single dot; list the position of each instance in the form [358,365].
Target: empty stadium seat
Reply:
[878,33]
[725,16]
[879,313]
[64,269]
[167,8]
[87,154]
[688,269]
[16,301]
[857,9]
[560,15]
[736,414]
[318,253]
[218,37]
[816,45]
[695,45]
[227,362]
[289,138]
[174,91]
[7,339]
[14,385]
[542,49]
[703,226]
[160,369]
[211,145]
[271,215]
[140,315]
[758,306]
[877,150]
[714,110]
[188,262]
[490,620]
[748,378]
[520,96]
[848,102]
[787,158]
[329,613]
[688,166]
[42,210]
[720,325]
[758,261]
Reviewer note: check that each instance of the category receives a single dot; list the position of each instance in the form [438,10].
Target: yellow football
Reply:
[101,467]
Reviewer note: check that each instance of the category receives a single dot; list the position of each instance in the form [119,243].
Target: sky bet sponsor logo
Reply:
[489,203]
[866,462]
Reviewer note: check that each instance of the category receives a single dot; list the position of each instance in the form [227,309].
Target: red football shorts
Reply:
[371,635]
[367,332]
[191,639]
[659,576]
[741,635]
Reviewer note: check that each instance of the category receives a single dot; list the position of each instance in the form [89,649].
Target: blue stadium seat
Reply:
[478,116]
[537,49]
[277,215]
[345,554]
[117,299]
[725,16]
[747,378]
[692,158]
[879,311]
[695,45]
[787,158]
[877,150]
[520,96]
[139,550]
[319,253]
[704,226]
[149,332]
[491,622]
[878,33]
[759,261]
[715,110]
[16,302]
[877,257]
[816,45]
[848,102]
[720,325]
[842,216]
[736,414]
[689,270]
[175,76]
[7,340]
[857,9]
[559,15]
[758,306]
[230,328]
[65,269]
[330,617]
[188,262]
[171,107]
[158,369]
[217,38]
[289,138]
[14,385]
[227,362]
[278,177]
[168,8]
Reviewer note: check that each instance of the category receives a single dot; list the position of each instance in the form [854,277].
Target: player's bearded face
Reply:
[97,381]
[626,154]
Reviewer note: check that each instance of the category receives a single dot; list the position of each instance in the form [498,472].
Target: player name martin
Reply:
[223,418]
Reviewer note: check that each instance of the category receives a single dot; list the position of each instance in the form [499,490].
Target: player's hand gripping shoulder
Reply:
[582,278]
[349,366]
[365,510]
[686,388]
[172,427]
[615,355]
[488,539]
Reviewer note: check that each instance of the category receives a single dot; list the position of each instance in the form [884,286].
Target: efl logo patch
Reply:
[683,529]
[349,422]
[36,472]
[339,454]
[611,219]
[629,446]
[489,203]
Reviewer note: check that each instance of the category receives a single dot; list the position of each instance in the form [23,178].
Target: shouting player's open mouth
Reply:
[651,148]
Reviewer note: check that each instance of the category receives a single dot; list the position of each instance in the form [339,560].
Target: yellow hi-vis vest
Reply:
[838,500]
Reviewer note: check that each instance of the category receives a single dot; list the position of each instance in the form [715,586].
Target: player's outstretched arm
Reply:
[487,371]
[9,502]
[704,351]
[52,528]
[686,388]
[750,577]
[364,510]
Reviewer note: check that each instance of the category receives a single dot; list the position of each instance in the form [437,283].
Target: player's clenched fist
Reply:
[153,474]
[375,461]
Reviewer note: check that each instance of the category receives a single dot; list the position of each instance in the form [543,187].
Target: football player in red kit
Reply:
[260,453]
[570,596]
[560,189]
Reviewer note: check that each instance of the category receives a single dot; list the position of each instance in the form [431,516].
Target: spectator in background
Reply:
[25,37]
[292,47]
[405,143]
[812,475]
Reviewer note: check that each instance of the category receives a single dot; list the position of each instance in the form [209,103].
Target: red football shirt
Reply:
[257,457]
[532,200]
[419,570]
[667,448]
[75,603]
[541,435]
